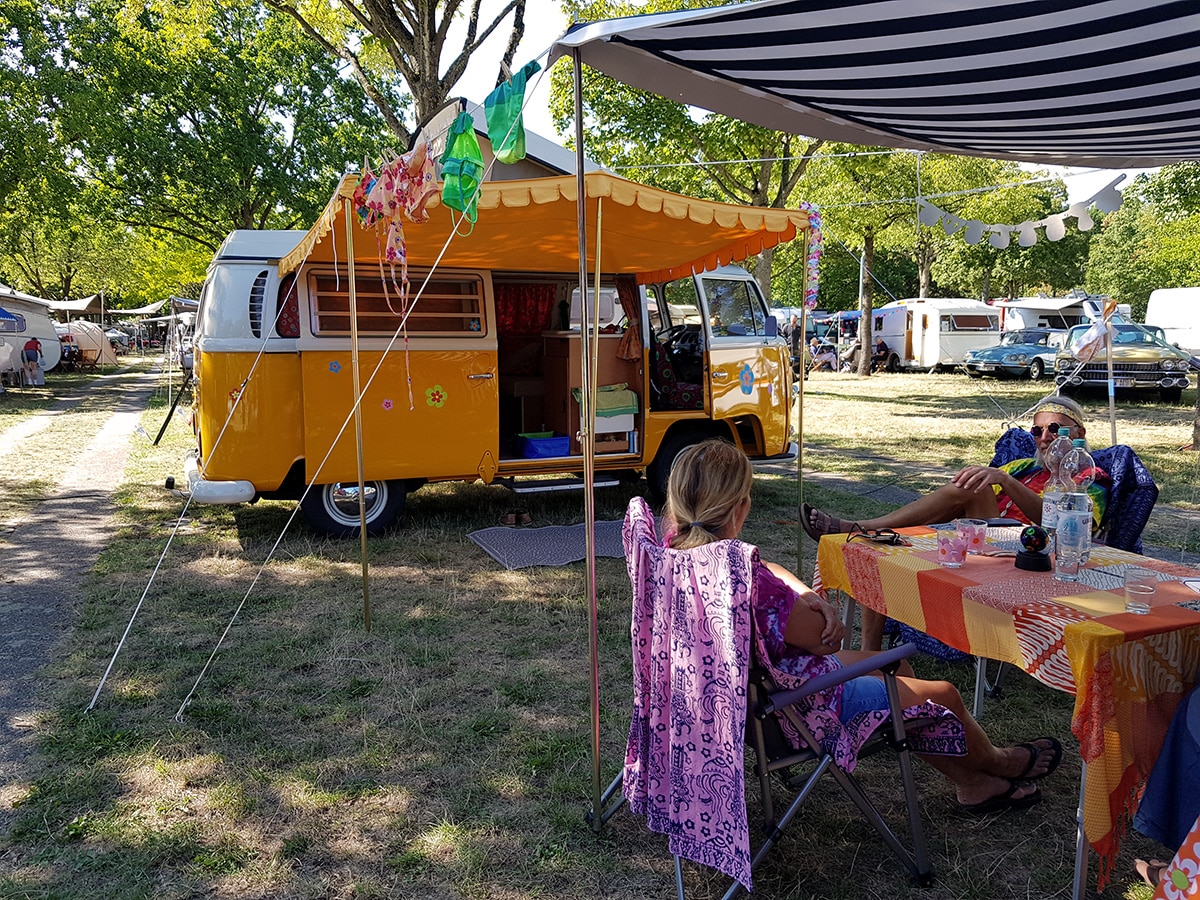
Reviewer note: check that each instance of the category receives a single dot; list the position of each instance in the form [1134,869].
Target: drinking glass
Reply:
[952,549]
[973,532]
[1140,588]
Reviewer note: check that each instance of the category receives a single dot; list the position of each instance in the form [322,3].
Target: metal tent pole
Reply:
[348,211]
[587,444]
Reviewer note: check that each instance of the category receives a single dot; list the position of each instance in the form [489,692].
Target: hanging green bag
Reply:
[502,107]
[462,168]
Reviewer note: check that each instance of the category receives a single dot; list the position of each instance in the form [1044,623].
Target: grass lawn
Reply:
[446,752]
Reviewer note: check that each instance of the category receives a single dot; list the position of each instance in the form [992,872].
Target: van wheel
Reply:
[332,509]
[1170,395]
[1036,370]
[659,470]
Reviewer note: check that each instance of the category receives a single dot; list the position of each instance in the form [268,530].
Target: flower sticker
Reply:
[473,325]
[1182,878]
[335,367]
[435,396]
[235,393]
[746,377]
[387,404]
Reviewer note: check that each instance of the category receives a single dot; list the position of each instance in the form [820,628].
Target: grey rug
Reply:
[552,545]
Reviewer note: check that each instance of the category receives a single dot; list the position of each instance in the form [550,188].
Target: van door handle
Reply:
[481,375]
[720,374]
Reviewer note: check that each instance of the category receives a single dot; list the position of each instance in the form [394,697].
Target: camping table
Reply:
[1127,672]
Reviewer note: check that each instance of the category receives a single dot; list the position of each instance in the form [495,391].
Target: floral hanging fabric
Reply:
[400,190]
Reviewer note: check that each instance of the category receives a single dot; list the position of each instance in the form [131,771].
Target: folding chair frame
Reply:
[765,738]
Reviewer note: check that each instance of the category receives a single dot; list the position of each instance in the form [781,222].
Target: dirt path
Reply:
[47,557]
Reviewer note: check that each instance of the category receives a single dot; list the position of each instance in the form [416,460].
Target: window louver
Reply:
[257,293]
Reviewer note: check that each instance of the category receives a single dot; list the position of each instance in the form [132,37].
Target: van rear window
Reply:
[448,305]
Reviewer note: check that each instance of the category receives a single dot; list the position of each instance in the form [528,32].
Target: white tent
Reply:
[90,336]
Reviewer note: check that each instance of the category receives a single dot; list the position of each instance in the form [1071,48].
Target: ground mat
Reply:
[553,545]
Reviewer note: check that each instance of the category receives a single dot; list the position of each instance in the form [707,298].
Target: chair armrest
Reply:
[888,661]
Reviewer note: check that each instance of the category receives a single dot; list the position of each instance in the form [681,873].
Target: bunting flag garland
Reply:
[813,262]
[1106,200]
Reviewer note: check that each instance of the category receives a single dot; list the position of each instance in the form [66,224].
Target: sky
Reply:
[545,22]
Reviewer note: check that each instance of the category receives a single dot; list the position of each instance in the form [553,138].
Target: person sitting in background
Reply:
[849,356]
[822,355]
[1011,491]
[708,499]
[880,357]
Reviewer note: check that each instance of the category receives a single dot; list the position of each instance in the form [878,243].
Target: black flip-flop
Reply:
[1004,801]
[1056,755]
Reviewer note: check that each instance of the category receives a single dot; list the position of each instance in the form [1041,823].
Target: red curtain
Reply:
[523,309]
[630,345]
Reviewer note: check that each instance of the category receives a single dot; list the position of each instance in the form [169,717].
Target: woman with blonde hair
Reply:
[708,499]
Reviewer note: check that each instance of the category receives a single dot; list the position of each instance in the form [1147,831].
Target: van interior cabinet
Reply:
[561,368]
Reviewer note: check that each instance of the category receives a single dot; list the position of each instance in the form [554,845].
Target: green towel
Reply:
[611,400]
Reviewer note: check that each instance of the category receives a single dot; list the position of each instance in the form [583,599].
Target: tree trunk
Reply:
[866,305]
[1196,422]
[762,274]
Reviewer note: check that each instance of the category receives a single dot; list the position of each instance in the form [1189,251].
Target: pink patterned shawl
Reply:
[685,760]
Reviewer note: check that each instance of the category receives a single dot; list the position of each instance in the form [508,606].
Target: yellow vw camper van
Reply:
[476,373]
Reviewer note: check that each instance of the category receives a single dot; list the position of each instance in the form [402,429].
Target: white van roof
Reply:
[258,245]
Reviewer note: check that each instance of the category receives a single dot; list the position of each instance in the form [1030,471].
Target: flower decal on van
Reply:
[435,396]
[473,325]
[335,367]
[387,404]
[746,376]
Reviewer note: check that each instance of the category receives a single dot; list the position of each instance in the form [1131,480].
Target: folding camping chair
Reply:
[1131,499]
[703,691]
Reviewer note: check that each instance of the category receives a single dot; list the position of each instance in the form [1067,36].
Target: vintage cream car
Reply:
[1142,360]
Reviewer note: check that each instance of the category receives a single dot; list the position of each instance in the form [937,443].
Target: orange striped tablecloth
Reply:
[1128,673]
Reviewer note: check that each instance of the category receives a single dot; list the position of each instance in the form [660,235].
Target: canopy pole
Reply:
[586,442]
[348,211]
[803,346]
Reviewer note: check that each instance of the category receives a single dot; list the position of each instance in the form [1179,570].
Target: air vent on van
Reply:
[257,292]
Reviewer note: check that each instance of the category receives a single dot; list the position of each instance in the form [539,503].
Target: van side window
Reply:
[450,305]
[733,308]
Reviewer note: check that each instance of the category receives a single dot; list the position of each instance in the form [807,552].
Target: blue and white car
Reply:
[1027,353]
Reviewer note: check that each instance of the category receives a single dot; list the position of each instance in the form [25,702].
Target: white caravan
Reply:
[30,319]
[933,333]
[1177,312]
[1053,312]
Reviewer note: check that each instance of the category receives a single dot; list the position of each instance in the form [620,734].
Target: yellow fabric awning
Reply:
[530,226]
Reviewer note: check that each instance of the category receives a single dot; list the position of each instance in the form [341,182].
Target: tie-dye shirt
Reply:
[1034,477]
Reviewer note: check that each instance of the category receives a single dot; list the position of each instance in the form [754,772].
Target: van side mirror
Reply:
[772,327]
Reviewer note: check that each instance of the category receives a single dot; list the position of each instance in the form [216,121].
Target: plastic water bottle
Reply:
[1057,485]
[1079,469]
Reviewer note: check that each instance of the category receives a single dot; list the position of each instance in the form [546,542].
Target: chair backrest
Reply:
[1130,499]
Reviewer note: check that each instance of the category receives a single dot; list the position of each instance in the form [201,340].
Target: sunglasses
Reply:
[1052,428]
[880,536]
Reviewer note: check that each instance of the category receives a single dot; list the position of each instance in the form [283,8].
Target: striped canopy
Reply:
[1108,83]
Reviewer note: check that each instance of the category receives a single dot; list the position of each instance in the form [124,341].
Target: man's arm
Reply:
[980,478]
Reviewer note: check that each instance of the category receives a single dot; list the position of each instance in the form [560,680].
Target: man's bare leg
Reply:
[872,629]
[942,505]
